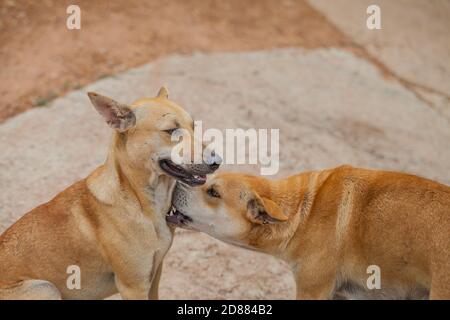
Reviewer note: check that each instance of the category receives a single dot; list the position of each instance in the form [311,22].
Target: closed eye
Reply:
[212,192]
[170,131]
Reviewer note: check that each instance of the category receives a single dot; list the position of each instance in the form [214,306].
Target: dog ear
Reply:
[117,115]
[163,93]
[264,211]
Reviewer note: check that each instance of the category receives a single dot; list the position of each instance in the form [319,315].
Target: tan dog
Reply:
[112,224]
[330,226]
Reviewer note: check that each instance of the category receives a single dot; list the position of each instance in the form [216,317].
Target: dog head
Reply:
[144,135]
[231,207]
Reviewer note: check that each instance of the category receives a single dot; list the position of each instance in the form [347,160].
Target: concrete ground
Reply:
[413,43]
[331,106]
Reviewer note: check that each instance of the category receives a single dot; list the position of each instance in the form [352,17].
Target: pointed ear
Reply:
[163,93]
[264,211]
[117,115]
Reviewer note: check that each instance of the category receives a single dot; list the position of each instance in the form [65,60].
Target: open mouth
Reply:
[177,218]
[179,173]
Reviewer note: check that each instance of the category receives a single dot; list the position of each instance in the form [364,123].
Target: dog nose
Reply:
[214,166]
[215,161]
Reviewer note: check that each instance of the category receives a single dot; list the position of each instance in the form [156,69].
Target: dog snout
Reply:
[214,161]
[208,165]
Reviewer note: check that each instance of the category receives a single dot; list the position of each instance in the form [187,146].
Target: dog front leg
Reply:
[315,281]
[133,291]
[134,279]
[153,295]
[317,290]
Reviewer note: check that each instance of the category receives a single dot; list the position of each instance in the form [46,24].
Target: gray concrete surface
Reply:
[331,108]
[414,39]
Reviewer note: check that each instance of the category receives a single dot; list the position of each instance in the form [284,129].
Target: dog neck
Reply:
[308,186]
[118,179]
[295,195]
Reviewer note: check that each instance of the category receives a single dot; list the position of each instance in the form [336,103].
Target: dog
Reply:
[340,230]
[111,226]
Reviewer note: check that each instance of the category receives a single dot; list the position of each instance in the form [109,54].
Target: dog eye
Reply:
[212,192]
[170,131]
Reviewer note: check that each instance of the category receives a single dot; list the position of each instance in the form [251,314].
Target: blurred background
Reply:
[338,91]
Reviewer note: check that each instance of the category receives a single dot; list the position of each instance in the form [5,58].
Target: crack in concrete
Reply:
[361,52]
[412,86]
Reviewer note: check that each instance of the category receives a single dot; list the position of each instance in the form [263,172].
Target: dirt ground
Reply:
[41,59]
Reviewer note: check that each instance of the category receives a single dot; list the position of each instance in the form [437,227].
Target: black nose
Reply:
[216,162]
[214,166]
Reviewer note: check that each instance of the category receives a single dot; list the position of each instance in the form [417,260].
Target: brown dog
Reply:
[111,226]
[335,228]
